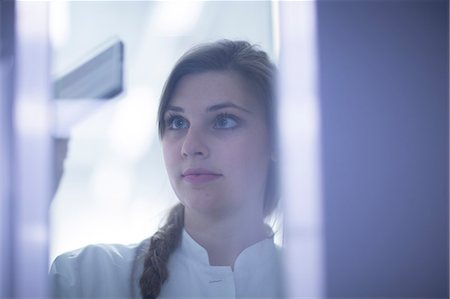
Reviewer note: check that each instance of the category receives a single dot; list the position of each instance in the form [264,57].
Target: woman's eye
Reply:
[177,123]
[225,122]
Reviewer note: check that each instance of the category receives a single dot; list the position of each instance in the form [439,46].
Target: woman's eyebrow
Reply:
[226,105]
[175,108]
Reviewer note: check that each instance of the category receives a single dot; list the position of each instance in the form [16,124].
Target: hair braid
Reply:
[162,244]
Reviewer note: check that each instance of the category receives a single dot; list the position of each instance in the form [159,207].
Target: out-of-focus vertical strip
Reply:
[275,11]
[299,131]
[7,28]
[33,151]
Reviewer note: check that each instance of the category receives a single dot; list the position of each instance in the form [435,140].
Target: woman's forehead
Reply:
[207,89]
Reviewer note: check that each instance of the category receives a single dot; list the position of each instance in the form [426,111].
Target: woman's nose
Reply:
[194,144]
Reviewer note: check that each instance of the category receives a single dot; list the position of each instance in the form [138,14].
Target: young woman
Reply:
[216,124]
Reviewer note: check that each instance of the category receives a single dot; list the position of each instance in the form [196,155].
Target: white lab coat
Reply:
[112,271]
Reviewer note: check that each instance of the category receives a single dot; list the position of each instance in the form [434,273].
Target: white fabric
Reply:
[109,271]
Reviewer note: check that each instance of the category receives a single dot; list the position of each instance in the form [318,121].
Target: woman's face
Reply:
[216,144]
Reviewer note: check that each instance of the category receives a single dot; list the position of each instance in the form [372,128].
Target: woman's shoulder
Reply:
[97,270]
[111,255]
[100,252]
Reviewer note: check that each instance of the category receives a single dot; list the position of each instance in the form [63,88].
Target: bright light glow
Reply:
[134,124]
[112,186]
[146,214]
[31,12]
[176,18]
[69,112]
[300,150]
[34,234]
[32,112]
[300,123]
[275,9]
[32,118]
[59,23]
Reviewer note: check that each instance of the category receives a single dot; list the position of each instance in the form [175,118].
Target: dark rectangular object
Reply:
[98,77]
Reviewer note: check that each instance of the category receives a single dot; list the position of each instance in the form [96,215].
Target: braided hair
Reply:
[259,73]
[162,244]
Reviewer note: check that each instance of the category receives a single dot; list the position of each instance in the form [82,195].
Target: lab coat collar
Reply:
[250,255]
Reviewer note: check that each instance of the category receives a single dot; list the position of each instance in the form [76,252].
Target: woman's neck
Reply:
[224,239]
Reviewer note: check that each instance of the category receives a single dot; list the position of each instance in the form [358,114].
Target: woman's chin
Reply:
[207,205]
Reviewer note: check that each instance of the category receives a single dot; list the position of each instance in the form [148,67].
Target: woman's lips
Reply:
[199,176]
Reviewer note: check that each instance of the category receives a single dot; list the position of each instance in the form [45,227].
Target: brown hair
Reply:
[259,73]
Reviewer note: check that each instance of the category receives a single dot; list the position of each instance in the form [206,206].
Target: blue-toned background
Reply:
[385,120]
